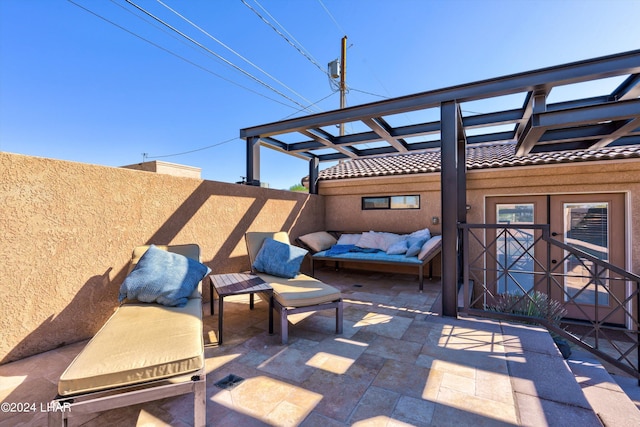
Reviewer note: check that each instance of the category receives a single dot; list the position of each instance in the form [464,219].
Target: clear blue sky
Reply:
[76,87]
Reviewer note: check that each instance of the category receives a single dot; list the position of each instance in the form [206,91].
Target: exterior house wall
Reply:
[343,196]
[68,230]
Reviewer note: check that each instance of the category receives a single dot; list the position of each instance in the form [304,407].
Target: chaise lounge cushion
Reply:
[163,277]
[279,259]
[300,291]
[163,343]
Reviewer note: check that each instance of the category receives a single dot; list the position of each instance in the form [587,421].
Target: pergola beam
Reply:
[378,126]
[449,192]
[598,68]
[630,126]
[541,122]
[629,89]
[329,144]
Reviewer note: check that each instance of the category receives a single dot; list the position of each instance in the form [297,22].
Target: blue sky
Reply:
[74,86]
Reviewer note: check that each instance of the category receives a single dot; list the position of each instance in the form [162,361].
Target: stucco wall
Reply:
[343,197]
[68,230]
[344,203]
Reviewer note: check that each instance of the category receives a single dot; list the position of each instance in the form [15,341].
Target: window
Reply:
[391,202]
[515,260]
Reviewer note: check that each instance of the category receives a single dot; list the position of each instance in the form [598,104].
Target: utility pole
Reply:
[343,78]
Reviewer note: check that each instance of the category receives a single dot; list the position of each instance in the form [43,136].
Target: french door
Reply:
[592,223]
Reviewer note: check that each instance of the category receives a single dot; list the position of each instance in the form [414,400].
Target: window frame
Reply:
[387,202]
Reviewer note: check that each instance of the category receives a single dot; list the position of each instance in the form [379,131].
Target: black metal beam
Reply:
[314,172]
[493,119]
[329,143]
[449,196]
[621,131]
[253,161]
[628,89]
[545,78]
[626,140]
[583,102]
[492,137]
[579,133]
[562,146]
[541,122]
[332,157]
[589,115]
[378,126]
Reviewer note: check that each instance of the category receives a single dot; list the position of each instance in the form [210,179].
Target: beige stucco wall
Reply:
[343,197]
[579,178]
[68,230]
[344,203]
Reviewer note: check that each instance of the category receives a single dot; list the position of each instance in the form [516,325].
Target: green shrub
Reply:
[536,304]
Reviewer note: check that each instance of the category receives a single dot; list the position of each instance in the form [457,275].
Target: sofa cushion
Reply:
[429,246]
[279,259]
[398,248]
[300,291]
[318,241]
[370,239]
[139,343]
[349,239]
[164,277]
[414,244]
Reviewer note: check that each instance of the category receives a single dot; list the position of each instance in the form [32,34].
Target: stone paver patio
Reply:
[397,363]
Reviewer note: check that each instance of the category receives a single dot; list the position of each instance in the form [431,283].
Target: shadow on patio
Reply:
[398,363]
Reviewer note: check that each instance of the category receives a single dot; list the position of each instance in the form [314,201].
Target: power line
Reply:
[146,156]
[368,93]
[191,151]
[342,31]
[231,50]
[215,54]
[176,55]
[313,61]
[318,101]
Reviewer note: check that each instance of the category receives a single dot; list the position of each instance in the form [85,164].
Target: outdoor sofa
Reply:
[151,348]
[417,249]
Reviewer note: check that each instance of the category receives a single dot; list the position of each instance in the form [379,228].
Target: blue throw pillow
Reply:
[414,245]
[279,259]
[163,277]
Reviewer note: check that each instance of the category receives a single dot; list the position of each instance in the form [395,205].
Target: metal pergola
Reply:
[537,126]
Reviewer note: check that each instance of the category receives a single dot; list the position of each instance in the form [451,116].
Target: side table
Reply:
[225,285]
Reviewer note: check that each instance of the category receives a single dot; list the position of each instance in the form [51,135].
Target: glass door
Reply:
[515,252]
[593,224]
[512,253]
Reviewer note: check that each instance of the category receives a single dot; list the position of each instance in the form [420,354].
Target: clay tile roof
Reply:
[478,157]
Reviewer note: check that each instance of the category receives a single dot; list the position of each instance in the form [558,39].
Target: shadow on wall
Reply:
[87,300]
[97,298]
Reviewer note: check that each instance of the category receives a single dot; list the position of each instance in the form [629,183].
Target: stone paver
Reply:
[397,363]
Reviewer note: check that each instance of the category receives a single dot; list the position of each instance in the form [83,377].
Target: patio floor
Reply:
[398,362]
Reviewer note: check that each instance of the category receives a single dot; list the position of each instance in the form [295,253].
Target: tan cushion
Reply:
[318,241]
[301,291]
[140,342]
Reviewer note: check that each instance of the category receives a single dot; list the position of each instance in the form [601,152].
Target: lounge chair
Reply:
[297,294]
[146,351]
